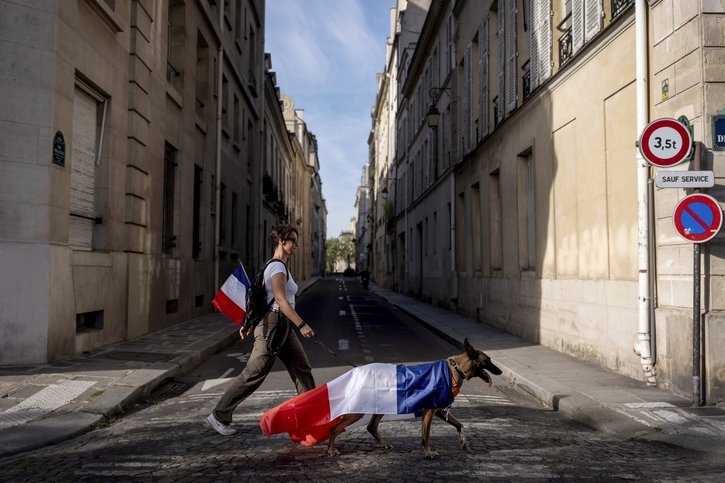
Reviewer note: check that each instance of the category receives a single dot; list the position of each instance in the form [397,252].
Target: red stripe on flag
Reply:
[228,307]
[305,417]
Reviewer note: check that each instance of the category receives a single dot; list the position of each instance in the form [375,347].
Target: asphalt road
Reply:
[512,437]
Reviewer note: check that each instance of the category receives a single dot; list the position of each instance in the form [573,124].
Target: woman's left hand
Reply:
[307,331]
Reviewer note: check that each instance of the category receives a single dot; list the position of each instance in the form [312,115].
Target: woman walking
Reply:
[280,285]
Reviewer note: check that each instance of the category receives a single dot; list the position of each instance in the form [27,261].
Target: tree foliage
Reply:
[340,249]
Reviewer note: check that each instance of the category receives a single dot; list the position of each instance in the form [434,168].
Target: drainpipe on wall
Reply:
[218,170]
[454,275]
[642,347]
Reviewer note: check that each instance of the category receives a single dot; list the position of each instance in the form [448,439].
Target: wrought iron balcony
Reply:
[565,47]
[619,6]
[527,80]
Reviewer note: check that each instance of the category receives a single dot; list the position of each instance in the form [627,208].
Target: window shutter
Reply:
[544,47]
[592,18]
[468,94]
[483,77]
[511,78]
[83,171]
[577,25]
[454,117]
[534,45]
[540,42]
[501,57]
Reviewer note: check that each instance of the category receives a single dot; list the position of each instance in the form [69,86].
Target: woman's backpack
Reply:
[257,304]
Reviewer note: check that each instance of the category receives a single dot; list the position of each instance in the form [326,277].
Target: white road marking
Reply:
[209,383]
[243,357]
[44,401]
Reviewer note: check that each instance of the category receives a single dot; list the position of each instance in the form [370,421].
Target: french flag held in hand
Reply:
[231,299]
[391,389]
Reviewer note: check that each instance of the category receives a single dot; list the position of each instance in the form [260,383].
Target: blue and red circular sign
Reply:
[665,142]
[697,218]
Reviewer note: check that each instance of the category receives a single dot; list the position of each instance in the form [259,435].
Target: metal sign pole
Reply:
[696,319]
[696,380]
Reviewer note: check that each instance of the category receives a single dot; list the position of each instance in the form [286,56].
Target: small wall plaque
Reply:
[59,149]
[718,131]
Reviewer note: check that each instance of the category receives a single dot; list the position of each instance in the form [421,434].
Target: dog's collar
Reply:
[458,370]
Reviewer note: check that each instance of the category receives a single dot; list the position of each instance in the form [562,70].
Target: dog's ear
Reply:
[469,349]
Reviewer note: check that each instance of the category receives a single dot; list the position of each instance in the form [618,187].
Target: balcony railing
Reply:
[619,6]
[527,79]
[565,47]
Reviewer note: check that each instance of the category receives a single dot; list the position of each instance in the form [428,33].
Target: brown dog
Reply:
[472,363]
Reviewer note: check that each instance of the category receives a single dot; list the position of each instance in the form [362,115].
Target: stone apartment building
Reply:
[132,166]
[520,198]
[406,21]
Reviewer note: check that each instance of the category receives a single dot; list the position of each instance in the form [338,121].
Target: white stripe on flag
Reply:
[236,291]
[370,389]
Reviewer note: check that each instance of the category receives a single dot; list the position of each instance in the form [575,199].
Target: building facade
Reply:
[406,20]
[291,183]
[522,199]
[131,166]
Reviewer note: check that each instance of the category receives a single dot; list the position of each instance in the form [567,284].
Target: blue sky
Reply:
[326,54]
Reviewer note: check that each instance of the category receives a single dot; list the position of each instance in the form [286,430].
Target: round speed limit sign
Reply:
[665,142]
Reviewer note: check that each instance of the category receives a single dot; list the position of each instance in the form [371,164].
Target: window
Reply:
[222,214]
[250,233]
[202,75]
[89,321]
[196,220]
[239,24]
[540,43]
[168,239]
[451,227]
[511,67]
[234,225]
[434,246]
[251,78]
[500,62]
[225,103]
[483,69]
[426,234]
[461,233]
[495,221]
[586,19]
[476,231]
[236,122]
[450,59]
[175,36]
[89,119]
[467,100]
[526,213]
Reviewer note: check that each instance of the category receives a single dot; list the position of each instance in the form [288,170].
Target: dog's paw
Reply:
[333,452]
[465,447]
[388,446]
[431,455]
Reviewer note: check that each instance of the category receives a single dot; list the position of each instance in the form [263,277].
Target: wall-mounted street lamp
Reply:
[433,116]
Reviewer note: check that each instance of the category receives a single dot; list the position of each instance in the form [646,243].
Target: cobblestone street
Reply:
[169,441]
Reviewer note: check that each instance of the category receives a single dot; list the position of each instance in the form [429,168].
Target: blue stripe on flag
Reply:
[424,386]
[241,275]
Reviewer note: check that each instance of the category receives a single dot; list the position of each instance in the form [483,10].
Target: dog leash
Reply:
[318,342]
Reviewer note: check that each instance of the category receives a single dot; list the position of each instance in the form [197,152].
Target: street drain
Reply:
[170,390]
[137,356]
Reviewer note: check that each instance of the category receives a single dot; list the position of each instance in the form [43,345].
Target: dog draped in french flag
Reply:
[393,390]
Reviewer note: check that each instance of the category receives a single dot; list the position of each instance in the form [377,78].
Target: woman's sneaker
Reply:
[219,427]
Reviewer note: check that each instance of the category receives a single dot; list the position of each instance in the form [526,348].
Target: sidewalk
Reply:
[601,399]
[45,404]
